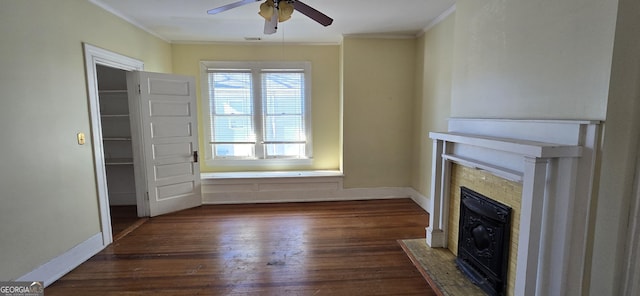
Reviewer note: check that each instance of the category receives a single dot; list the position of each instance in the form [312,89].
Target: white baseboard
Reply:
[296,189]
[418,198]
[303,196]
[61,265]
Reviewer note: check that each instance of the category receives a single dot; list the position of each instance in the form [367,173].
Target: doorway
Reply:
[113,68]
[155,128]
[115,122]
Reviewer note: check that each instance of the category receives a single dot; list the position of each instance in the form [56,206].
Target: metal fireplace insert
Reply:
[483,241]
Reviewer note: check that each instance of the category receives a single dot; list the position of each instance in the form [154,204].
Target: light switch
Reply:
[80,138]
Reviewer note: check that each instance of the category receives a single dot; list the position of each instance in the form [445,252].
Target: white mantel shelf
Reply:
[554,161]
[516,146]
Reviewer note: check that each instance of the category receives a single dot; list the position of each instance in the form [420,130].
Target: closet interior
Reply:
[118,151]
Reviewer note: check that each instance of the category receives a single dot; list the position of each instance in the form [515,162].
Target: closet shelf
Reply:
[114,115]
[118,161]
[113,91]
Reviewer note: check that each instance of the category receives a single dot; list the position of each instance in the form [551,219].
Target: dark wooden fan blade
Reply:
[312,13]
[230,6]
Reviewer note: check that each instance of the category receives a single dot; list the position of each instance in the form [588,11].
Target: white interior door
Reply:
[169,140]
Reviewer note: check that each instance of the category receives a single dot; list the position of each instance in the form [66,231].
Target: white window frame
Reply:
[255,66]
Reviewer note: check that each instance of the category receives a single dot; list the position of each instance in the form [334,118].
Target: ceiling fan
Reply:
[275,11]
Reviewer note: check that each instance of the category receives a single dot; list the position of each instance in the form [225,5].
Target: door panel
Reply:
[174,191]
[169,86]
[170,128]
[169,132]
[171,149]
[170,109]
[173,170]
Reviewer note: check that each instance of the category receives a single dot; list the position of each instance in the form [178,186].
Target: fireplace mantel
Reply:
[554,161]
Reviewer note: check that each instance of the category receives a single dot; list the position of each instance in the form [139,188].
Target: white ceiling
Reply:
[187,21]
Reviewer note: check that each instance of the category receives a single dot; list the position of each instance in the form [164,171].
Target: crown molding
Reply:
[438,19]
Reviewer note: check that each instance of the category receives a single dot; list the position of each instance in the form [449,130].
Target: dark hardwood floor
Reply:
[124,219]
[329,248]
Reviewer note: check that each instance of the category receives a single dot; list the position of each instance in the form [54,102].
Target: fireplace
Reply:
[554,163]
[483,241]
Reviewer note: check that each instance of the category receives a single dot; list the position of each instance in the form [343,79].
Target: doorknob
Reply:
[195,156]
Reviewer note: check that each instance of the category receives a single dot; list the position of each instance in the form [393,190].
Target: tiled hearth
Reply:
[551,163]
[437,266]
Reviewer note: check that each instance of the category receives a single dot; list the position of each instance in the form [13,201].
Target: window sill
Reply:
[270,174]
[260,162]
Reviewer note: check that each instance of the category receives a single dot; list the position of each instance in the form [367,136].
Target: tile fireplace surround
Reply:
[554,161]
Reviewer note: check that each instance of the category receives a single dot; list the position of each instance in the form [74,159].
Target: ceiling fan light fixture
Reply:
[274,11]
[285,10]
[266,10]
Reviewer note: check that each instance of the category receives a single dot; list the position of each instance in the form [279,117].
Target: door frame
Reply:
[97,56]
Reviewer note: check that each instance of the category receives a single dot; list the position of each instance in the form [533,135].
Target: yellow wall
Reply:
[47,180]
[434,61]
[325,65]
[532,59]
[379,88]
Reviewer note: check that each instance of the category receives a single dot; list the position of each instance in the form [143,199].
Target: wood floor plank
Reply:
[328,248]
[124,219]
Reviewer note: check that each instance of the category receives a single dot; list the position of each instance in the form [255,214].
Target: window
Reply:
[258,112]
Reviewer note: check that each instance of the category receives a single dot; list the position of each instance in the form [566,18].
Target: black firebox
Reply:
[483,241]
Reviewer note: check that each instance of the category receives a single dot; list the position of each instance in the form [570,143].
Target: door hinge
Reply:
[139,92]
[147,196]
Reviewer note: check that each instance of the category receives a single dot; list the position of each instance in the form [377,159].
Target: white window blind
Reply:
[232,114]
[284,133]
[257,112]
